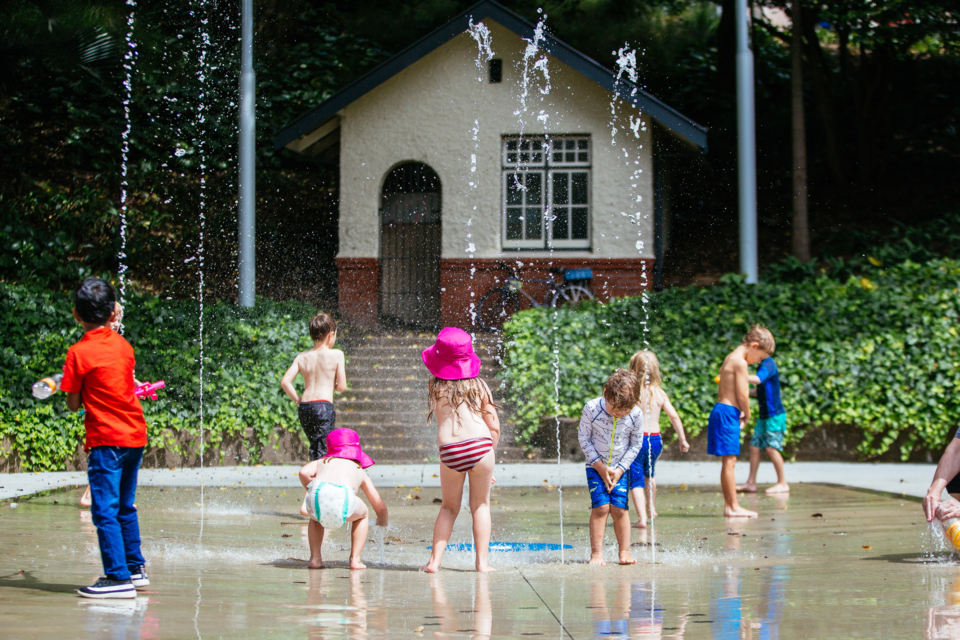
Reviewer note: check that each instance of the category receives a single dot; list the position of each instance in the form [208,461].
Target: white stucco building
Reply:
[444,175]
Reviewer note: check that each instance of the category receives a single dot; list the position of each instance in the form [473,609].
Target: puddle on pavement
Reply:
[859,569]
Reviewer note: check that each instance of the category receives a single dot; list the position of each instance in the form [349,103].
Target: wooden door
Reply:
[410,236]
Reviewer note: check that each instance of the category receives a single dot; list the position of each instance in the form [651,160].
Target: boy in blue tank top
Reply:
[770,429]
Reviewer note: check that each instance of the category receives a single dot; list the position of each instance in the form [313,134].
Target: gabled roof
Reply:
[646,103]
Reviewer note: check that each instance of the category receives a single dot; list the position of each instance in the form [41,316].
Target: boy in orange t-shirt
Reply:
[98,375]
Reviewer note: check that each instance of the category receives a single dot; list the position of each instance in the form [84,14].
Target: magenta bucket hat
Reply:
[345,443]
[451,357]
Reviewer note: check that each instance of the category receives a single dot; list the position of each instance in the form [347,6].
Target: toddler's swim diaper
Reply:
[330,504]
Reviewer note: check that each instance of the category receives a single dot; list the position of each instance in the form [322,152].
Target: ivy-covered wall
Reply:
[877,350]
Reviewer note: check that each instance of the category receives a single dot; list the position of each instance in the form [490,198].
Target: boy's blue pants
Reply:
[112,472]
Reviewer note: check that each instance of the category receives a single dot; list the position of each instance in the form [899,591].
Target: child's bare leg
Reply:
[361,525]
[731,508]
[621,527]
[652,495]
[315,536]
[598,527]
[750,486]
[451,489]
[480,482]
[777,460]
[640,502]
[86,499]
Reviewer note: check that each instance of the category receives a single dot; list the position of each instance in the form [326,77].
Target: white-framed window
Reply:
[546,192]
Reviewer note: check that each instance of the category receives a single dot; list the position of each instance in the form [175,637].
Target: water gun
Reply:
[148,389]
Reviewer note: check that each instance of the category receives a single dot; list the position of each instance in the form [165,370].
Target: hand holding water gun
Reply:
[148,389]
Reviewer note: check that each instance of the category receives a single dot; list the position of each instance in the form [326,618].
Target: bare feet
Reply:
[739,512]
[778,488]
[747,488]
[316,564]
[356,564]
[640,524]
[653,513]
[429,568]
[626,558]
[484,568]
[596,560]
[86,499]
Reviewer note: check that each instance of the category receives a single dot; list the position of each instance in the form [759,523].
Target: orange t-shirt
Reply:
[100,368]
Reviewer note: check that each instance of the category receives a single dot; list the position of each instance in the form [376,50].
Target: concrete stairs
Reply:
[386,399]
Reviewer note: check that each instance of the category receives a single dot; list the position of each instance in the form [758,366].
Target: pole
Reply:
[801,226]
[246,200]
[746,148]
[658,219]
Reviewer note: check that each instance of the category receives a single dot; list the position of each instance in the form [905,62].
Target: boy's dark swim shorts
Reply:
[318,419]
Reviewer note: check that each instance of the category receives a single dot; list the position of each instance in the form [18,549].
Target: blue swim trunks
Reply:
[769,432]
[723,431]
[599,495]
[644,465]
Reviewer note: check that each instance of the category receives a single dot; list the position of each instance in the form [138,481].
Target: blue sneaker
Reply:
[109,588]
[138,577]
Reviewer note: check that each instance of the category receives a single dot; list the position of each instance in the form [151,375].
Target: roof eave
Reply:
[646,103]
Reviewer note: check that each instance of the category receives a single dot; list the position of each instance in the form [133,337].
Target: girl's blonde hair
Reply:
[472,392]
[646,367]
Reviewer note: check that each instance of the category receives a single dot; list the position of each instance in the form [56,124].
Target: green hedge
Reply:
[878,351]
[246,352]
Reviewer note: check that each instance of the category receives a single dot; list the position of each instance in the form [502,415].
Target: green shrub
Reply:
[878,351]
[246,352]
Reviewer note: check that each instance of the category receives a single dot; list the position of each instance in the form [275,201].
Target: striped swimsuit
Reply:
[464,455]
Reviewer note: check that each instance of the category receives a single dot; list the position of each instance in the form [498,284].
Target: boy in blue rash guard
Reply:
[770,429]
[609,435]
[732,411]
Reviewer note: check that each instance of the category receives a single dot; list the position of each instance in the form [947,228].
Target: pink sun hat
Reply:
[345,443]
[451,357]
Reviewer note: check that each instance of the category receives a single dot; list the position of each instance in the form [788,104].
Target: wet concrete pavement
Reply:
[823,562]
[906,479]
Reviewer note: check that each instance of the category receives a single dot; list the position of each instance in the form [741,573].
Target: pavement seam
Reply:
[569,635]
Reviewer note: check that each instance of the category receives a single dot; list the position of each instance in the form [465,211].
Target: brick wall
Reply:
[612,278]
[359,283]
[358,287]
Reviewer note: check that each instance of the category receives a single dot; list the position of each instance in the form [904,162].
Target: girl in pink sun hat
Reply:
[468,431]
[331,501]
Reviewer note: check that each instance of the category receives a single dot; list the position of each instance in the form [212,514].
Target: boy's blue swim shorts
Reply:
[723,431]
[769,432]
[599,495]
[644,465]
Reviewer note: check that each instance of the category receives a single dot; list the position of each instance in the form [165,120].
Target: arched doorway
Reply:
[410,247]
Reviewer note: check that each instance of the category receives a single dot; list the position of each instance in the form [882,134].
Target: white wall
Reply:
[426,113]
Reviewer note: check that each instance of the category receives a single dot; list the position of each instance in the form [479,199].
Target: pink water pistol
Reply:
[148,389]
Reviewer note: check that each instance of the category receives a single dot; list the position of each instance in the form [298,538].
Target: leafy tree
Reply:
[854,50]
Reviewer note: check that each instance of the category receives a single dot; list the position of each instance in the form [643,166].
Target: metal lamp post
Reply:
[247,161]
[746,148]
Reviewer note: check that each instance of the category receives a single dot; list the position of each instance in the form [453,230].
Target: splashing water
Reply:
[535,71]
[481,34]
[201,121]
[625,83]
[201,150]
[532,67]
[129,64]
[471,249]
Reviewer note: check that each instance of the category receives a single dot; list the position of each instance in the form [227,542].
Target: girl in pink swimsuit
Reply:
[468,431]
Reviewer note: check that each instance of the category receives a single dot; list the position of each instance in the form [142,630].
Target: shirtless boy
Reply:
[732,411]
[331,501]
[323,373]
